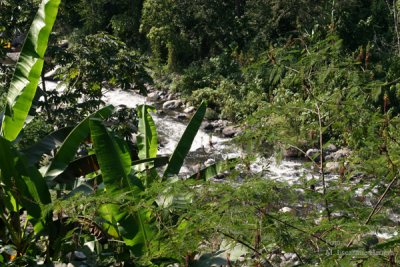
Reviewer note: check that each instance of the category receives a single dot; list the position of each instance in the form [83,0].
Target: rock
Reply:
[181,116]
[77,256]
[339,154]
[332,167]
[230,131]
[331,148]
[207,126]
[189,109]
[291,153]
[209,162]
[290,256]
[163,95]
[172,104]
[170,97]
[219,123]
[153,96]
[313,153]
[63,43]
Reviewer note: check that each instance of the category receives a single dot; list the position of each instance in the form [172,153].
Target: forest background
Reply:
[293,75]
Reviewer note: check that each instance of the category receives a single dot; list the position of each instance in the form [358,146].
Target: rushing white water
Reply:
[206,146]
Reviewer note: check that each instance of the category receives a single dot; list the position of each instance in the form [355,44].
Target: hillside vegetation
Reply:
[315,81]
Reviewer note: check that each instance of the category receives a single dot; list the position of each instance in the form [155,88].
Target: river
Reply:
[206,147]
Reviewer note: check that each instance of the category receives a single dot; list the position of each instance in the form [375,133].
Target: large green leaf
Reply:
[7,165]
[147,139]
[29,67]
[112,214]
[115,165]
[183,147]
[135,229]
[46,145]
[113,156]
[71,144]
[23,181]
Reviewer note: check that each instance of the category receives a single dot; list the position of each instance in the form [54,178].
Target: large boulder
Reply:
[153,96]
[338,155]
[172,104]
[330,148]
[181,116]
[230,131]
[332,167]
[291,152]
[207,126]
[189,109]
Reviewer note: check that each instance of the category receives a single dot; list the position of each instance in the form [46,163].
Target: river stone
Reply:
[153,96]
[172,104]
[77,255]
[340,154]
[290,256]
[291,152]
[219,123]
[181,116]
[332,166]
[171,97]
[331,148]
[229,131]
[189,109]
[207,126]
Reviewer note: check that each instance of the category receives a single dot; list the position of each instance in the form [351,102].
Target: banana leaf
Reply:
[115,164]
[24,182]
[67,151]
[135,229]
[28,70]
[113,156]
[147,139]
[184,144]
[46,145]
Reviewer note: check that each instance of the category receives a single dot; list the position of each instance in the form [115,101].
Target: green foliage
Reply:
[98,63]
[27,73]
[147,139]
[296,74]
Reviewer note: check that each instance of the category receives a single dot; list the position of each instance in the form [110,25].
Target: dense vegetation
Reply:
[293,75]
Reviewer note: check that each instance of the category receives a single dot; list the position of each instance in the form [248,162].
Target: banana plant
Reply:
[28,70]
[22,185]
